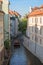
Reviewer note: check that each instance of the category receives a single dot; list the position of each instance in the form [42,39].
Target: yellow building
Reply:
[1,37]
[4,26]
[5,9]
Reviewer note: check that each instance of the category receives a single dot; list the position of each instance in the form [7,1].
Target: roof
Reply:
[36,11]
[0,0]
[14,13]
[11,12]
[41,6]
[2,12]
[35,8]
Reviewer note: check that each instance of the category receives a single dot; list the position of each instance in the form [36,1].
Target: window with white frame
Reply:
[40,20]
[40,31]
[32,20]
[36,38]
[32,28]
[36,29]
[32,37]
[36,20]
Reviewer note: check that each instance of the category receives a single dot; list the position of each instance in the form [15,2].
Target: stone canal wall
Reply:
[35,49]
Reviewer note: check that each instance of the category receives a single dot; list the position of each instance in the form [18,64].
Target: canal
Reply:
[21,56]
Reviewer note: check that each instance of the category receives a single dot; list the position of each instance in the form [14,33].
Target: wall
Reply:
[1,38]
[34,46]
[35,49]
[5,8]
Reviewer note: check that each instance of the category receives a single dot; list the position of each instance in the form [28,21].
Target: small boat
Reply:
[16,43]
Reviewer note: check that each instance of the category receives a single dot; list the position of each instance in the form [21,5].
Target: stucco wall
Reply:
[5,8]
[35,49]
[31,24]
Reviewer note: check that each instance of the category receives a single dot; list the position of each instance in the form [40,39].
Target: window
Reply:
[36,29]
[32,29]
[36,38]
[32,37]
[1,30]
[40,41]
[36,20]
[0,6]
[40,20]
[32,20]
[1,17]
[40,31]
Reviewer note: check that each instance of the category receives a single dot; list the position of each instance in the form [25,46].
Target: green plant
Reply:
[7,44]
[23,25]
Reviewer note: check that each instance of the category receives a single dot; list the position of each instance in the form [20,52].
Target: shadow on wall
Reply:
[6,26]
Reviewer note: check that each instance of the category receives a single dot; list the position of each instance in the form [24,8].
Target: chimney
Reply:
[30,9]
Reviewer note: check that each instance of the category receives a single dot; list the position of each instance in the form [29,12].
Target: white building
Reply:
[13,23]
[35,32]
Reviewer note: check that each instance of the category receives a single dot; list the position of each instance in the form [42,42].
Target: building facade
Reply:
[5,8]
[4,26]
[13,23]
[1,35]
[35,32]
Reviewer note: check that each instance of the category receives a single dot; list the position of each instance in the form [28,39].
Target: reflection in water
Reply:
[21,56]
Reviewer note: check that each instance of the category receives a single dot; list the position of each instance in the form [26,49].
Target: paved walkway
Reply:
[21,56]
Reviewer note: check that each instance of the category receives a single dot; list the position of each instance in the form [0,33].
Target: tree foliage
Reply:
[23,25]
[7,43]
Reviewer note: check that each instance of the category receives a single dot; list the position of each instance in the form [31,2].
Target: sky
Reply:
[22,6]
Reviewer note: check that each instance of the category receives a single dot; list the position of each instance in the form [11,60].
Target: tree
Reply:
[23,25]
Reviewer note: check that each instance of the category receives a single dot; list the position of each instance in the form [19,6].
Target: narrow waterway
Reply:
[21,56]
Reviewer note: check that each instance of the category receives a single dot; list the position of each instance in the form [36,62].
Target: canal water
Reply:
[21,56]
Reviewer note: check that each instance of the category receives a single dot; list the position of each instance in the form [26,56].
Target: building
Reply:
[14,21]
[1,34]
[1,37]
[5,8]
[35,32]
[4,26]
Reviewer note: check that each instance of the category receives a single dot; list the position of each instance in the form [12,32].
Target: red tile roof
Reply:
[2,12]
[35,8]
[36,11]
[41,6]
[13,13]
[0,0]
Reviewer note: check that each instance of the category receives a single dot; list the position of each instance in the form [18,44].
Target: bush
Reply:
[7,44]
